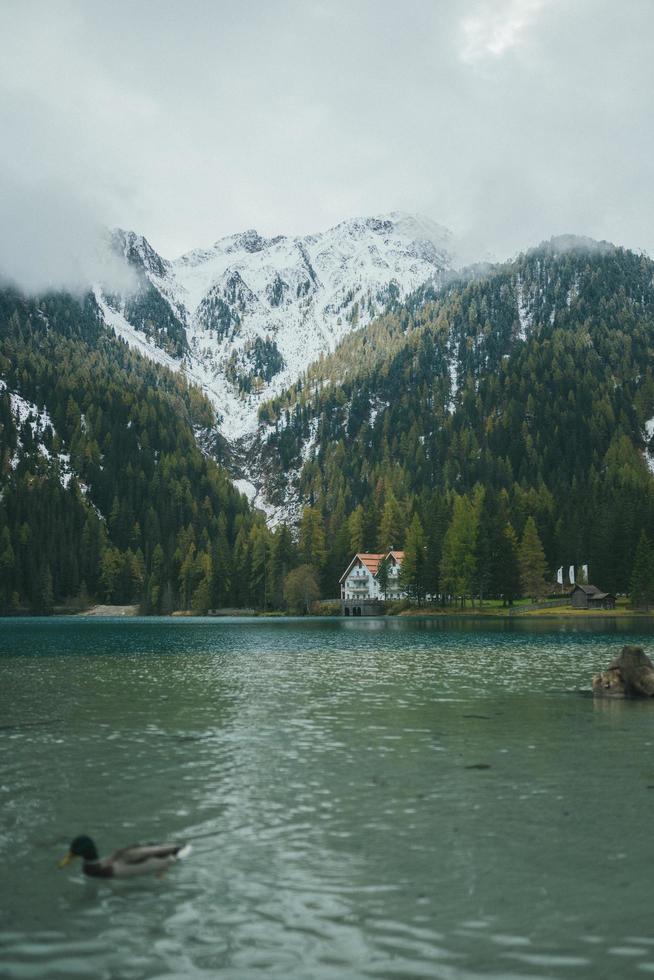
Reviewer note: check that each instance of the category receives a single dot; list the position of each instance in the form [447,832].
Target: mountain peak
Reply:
[559,244]
[257,311]
[249,241]
[138,252]
[417,227]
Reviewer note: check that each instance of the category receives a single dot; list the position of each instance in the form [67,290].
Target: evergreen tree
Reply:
[259,568]
[413,570]
[201,598]
[43,597]
[356,532]
[641,592]
[383,576]
[282,560]
[391,527]
[7,561]
[154,585]
[311,548]
[459,561]
[533,566]
[435,517]
[222,559]
[506,580]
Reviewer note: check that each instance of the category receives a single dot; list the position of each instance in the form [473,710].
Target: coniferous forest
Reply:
[466,418]
[108,495]
[495,428]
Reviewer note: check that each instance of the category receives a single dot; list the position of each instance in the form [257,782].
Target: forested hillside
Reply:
[104,490]
[523,393]
[496,428]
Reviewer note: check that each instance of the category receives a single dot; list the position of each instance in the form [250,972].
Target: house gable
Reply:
[363,560]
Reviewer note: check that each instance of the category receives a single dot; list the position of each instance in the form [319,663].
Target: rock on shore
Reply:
[630,675]
[111,611]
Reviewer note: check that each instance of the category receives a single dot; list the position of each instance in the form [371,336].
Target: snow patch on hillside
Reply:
[297,297]
[649,453]
[246,488]
[524,315]
[135,338]
[38,420]
[310,443]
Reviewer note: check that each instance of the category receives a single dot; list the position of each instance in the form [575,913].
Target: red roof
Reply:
[371,561]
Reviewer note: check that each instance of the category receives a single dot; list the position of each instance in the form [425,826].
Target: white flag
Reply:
[571,574]
[559,575]
[584,569]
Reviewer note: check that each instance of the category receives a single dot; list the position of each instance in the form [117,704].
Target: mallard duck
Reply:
[138,859]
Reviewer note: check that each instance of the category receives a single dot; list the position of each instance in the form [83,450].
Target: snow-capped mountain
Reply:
[245,317]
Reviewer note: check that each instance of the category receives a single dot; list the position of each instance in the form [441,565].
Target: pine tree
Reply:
[435,518]
[355,525]
[413,570]
[201,598]
[533,566]
[641,592]
[506,582]
[259,568]
[43,597]
[282,560]
[383,576]
[154,585]
[7,562]
[459,561]
[391,527]
[221,565]
[312,549]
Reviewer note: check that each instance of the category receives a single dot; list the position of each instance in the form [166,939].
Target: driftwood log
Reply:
[630,675]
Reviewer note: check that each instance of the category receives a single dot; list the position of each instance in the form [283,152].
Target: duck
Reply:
[127,862]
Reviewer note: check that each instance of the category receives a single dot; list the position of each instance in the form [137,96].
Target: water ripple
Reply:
[375,800]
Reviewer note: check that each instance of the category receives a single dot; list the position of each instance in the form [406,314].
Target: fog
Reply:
[50,239]
[508,121]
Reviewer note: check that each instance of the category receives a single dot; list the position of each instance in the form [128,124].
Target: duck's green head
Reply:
[82,847]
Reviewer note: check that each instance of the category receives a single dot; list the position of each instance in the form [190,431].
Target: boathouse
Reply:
[590,597]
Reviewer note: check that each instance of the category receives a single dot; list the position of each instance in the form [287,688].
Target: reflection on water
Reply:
[369,798]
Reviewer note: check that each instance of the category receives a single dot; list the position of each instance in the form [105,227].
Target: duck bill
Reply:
[66,860]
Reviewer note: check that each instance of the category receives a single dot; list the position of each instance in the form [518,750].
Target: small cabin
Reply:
[590,597]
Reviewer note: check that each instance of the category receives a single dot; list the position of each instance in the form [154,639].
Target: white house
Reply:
[360,584]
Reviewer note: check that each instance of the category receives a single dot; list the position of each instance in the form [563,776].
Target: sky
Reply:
[508,121]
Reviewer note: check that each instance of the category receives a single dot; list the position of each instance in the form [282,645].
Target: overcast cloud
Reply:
[506,120]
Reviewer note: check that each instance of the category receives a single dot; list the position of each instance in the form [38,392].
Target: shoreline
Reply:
[562,615]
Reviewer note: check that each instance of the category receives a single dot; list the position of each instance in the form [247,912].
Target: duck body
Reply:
[128,862]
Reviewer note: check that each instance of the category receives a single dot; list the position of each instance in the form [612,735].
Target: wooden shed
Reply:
[590,597]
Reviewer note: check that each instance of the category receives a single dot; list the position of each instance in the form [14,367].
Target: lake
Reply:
[366,798]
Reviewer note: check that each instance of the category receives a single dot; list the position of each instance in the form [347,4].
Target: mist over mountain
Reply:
[52,240]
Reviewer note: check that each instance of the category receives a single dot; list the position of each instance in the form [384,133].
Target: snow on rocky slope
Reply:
[257,311]
[42,431]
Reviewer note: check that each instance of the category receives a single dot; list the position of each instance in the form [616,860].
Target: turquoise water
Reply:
[369,798]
